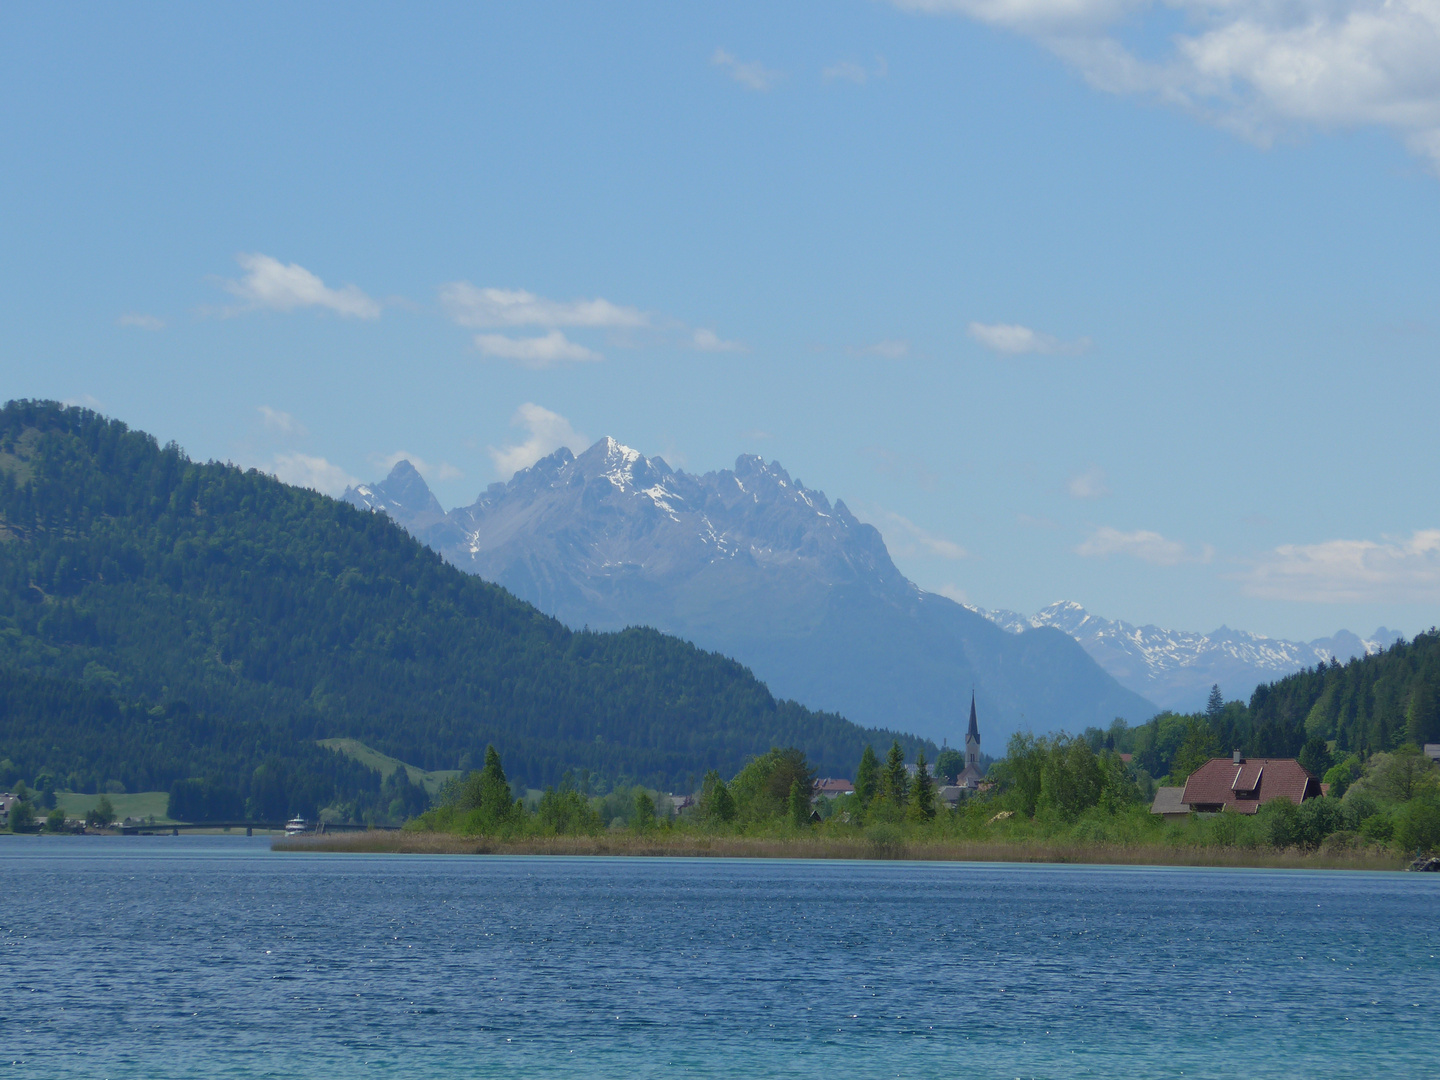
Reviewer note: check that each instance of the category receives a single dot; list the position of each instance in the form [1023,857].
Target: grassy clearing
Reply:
[137,804]
[661,843]
[384,764]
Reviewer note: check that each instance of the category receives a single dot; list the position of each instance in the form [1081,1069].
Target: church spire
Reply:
[974,732]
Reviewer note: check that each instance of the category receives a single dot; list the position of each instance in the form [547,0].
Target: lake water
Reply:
[159,957]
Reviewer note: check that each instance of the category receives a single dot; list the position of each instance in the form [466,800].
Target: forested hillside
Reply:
[152,582]
[1369,705]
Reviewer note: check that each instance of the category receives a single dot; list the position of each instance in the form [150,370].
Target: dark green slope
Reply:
[1370,705]
[130,569]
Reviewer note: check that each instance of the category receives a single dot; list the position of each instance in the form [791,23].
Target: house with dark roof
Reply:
[1170,804]
[1246,784]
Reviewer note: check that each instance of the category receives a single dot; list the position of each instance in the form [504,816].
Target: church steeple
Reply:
[972,775]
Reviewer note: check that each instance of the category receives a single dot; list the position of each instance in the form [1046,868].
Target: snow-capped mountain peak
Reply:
[1176,668]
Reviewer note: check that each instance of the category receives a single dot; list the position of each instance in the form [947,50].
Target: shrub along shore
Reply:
[678,843]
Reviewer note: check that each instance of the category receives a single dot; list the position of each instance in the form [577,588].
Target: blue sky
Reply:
[1112,302]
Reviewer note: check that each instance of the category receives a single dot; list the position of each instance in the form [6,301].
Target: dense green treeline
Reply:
[272,617]
[1370,705]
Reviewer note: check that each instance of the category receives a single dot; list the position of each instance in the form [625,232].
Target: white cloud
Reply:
[849,71]
[140,321]
[269,283]
[546,432]
[709,341]
[905,539]
[534,352]
[315,473]
[750,74]
[1013,339]
[1089,484]
[484,308]
[1351,571]
[889,349]
[1258,67]
[85,401]
[443,471]
[1141,544]
[954,592]
[280,421]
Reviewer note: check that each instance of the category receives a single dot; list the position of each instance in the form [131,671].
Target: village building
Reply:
[830,787]
[1170,804]
[1244,785]
[949,794]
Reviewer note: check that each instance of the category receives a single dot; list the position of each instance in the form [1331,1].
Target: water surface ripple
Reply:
[171,957]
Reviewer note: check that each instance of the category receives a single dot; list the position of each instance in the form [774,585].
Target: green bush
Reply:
[1378,827]
[1417,824]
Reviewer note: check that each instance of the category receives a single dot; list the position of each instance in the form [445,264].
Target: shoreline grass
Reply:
[685,845]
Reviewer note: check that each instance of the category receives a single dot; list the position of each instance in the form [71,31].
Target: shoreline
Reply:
[741,847]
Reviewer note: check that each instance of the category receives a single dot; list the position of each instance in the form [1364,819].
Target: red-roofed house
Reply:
[830,787]
[1246,784]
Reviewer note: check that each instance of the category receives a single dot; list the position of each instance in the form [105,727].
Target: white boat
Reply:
[296,825]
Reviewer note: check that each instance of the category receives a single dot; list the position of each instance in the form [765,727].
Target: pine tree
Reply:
[716,802]
[922,791]
[799,804]
[895,780]
[1215,706]
[867,777]
[644,811]
[1422,718]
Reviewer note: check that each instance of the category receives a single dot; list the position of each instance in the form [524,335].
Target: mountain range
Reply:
[1177,668]
[752,563]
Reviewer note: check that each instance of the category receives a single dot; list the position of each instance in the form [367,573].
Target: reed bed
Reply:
[685,845]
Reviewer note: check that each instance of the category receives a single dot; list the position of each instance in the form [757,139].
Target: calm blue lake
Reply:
[158,957]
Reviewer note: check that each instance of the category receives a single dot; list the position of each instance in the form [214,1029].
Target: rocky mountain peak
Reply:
[403,495]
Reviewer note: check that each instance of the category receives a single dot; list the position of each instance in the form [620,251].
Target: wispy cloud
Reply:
[484,308]
[954,592]
[535,352]
[1012,339]
[314,473]
[889,349]
[443,471]
[906,539]
[750,74]
[1090,484]
[140,321]
[545,432]
[709,341]
[850,71]
[1141,544]
[279,421]
[269,283]
[1255,67]
[1031,521]
[1390,570]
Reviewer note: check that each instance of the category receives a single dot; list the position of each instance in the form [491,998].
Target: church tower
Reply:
[972,775]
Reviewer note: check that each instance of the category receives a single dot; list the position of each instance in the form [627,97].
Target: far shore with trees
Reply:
[1053,798]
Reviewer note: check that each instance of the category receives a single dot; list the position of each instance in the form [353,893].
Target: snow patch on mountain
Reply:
[1176,668]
